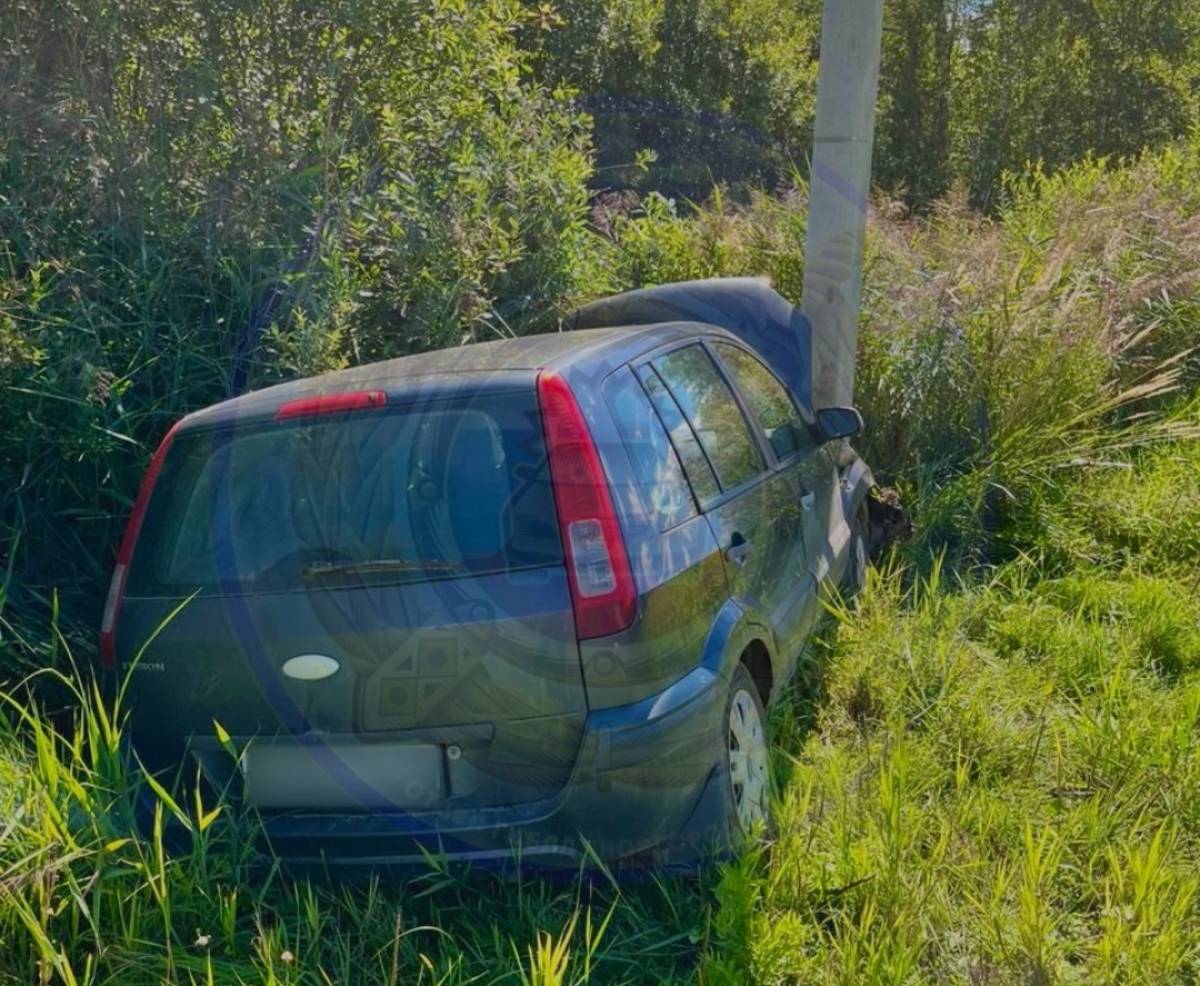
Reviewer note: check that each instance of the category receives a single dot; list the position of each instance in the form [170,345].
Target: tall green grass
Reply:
[988,770]
[996,786]
[86,895]
[989,781]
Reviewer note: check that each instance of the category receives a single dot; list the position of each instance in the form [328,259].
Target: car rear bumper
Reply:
[647,775]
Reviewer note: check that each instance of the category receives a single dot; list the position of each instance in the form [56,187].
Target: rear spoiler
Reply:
[748,307]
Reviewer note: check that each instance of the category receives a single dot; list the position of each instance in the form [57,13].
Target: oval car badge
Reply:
[310,667]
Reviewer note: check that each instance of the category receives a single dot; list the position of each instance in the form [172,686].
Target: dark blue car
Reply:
[503,599]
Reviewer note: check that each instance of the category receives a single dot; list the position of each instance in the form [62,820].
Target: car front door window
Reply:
[768,400]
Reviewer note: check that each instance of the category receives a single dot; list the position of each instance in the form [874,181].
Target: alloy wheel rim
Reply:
[748,773]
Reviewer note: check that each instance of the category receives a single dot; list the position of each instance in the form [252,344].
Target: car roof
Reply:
[748,307]
[499,366]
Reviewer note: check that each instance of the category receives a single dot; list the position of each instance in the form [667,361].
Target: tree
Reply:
[913,134]
[1055,80]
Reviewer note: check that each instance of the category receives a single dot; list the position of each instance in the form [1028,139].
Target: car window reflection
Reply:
[710,408]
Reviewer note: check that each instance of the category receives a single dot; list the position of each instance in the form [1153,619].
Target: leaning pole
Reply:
[843,138]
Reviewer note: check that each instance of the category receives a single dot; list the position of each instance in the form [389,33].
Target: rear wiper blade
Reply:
[378,565]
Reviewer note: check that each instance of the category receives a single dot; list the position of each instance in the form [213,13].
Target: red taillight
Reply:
[116,588]
[602,590]
[310,407]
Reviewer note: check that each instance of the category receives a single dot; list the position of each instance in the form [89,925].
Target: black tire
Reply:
[747,779]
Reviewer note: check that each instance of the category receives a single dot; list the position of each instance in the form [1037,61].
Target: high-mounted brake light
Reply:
[116,588]
[602,590]
[310,407]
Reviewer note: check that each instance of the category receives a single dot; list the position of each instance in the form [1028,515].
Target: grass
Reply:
[986,782]
[988,772]
[86,898]
[997,790]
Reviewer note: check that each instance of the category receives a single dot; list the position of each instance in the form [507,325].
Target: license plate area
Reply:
[343,774]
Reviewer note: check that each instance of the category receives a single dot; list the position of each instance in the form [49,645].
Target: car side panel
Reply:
[678,573]
[681,588]
[772,583]
[826,532]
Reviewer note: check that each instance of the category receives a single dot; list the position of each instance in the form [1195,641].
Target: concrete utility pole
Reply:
[843,138]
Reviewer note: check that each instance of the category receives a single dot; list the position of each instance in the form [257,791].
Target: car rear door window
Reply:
[768,400]
[662,486]
[695,463]
[713,412]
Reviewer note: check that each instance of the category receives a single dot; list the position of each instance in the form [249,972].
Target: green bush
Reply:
[725,90]
[206,195]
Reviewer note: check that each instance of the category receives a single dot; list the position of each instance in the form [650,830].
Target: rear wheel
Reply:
[747,759]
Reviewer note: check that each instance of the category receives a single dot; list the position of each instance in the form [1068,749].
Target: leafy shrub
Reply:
[725,90]
[204,196]
[995,355]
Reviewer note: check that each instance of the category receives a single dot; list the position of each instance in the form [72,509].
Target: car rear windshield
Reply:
[440,490]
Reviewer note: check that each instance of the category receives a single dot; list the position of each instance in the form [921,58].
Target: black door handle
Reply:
[738,551]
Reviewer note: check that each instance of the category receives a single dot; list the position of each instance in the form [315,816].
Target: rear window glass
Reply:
[434,491]
[714,415]
[662,487]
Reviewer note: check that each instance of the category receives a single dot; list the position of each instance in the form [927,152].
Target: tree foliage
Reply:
[969,89]
[720,90]
[200,196]
[197,196]
[1049,81]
